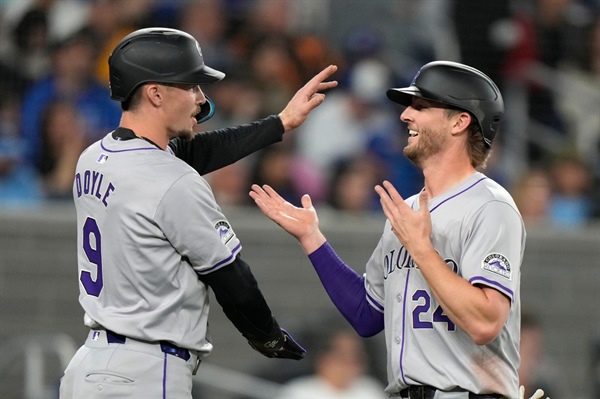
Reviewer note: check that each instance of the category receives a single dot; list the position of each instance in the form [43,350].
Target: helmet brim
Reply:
[404,95]
[208,75]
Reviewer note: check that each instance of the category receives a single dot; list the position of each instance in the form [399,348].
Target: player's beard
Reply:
[430,142]
[186,135]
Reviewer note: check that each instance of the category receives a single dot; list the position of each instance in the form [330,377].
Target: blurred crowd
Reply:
[544,55]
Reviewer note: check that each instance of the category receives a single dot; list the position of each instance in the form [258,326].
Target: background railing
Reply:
[560,283]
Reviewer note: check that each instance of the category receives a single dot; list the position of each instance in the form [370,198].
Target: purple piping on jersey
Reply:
[494,283]
[165,376]
[457,194]
[130,149]
[404,327]
[226,260]
[374,302]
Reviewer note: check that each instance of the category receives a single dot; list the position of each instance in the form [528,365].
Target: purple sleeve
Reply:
[347,291]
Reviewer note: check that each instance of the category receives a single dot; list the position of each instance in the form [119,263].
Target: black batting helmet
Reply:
[160,55]
[460,86]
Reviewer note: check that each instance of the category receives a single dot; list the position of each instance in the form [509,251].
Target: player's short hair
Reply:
[133,101]
[479,152]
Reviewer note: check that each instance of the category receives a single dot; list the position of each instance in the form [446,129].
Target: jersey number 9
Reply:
[92,246]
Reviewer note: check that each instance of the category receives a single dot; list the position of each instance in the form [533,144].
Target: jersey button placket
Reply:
[397,338]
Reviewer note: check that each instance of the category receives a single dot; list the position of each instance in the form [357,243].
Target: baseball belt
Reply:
[428,392]
[166,347]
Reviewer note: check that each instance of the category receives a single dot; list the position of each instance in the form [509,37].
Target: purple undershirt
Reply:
[347,291]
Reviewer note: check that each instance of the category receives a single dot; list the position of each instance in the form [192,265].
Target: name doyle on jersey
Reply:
[92,184]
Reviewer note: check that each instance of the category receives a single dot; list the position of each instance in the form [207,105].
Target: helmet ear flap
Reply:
[206,111]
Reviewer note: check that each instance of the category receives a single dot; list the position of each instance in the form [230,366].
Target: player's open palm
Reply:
[302,223]
[413,229]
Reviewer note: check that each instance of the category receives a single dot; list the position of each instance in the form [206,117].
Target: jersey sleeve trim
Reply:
[224,262]
[373,302]
[493,284]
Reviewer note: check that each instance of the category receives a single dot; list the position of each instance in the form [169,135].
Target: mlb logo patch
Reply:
[102,158]
[498,264]
[95,335]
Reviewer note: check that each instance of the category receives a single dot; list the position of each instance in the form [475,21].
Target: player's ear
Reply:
[153,92]
[461,122]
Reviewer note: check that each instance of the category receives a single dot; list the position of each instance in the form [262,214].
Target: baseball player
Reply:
[443,281]
[151,240]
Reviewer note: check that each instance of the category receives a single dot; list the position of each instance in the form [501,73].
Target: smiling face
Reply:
[429,129]
[182,103]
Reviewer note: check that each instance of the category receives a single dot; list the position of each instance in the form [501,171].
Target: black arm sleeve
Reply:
[209,151]
[237,292]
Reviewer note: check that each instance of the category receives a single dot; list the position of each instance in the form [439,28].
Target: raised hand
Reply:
[307,98]
[412,228]
[302,223]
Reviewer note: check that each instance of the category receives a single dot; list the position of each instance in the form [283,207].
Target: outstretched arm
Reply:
[209,151]
[302,223]
[237,292]
[343,285]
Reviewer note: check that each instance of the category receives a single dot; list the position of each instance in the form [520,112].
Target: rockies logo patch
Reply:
[497,263]
[225,231]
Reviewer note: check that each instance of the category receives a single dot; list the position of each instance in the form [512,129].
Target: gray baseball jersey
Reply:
[478,231]
[147,224]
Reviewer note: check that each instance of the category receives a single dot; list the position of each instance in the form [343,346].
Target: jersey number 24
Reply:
[423,309]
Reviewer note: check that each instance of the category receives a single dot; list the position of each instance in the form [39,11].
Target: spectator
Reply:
[480,27]
[342,127]
[581,101]
[339,371]
[532,196]
[108,22]
[280,168]
[26,51]
[276,70]
[352,185]
[63,138]
[570,201]
[207,22]
[19,183]
[313,52]
[550,35]
[72,80]
[63,17]
[13,84]
[238,99]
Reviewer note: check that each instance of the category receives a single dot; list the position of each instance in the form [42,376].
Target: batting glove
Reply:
[537,395]
[282,347]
